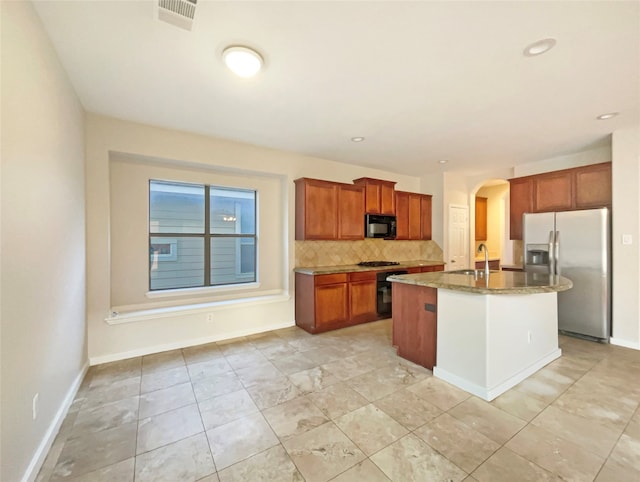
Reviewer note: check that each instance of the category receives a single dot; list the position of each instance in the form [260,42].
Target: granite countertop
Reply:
[500,282]
[348,268]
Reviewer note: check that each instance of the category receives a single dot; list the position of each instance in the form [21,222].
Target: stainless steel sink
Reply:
[474,272]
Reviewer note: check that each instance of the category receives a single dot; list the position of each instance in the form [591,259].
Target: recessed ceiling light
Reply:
[442,161]
[357,139]
[242,61]
[607,116]
[539,47]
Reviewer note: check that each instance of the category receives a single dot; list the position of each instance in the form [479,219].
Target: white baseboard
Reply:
[148,350]
[47,441]
[625,343]
[489,394]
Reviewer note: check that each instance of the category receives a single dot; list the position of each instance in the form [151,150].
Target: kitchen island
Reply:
[481,335]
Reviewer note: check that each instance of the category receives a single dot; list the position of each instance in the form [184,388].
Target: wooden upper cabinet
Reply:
[481,218]
[379,195]
[402,215]
[577,188]
[553,191]
[316,209]
[413,215]
[520,202]
[425,216]
[593,186]
[350,212]
[328,210]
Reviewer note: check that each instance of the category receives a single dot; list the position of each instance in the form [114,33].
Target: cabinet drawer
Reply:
[362,276]
[329,279]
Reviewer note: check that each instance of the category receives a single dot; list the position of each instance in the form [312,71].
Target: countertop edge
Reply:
[418,280]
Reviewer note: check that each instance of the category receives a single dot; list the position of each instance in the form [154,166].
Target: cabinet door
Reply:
[593,186]
[379,195]
[350,212]
[402,215]
[436,267]
[372,198]
[387,199]
[481,218]
[552,192]
[362,300]
[415,216]
[520,202]
[425,216]
[316,209]
[331,304]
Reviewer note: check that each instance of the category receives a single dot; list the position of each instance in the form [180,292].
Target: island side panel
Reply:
[462,339]
[522,336]
[415,328]
[487,344]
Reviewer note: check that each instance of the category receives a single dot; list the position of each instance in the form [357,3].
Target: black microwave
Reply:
[377,226]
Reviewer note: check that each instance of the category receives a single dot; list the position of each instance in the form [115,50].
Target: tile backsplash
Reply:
[336,253]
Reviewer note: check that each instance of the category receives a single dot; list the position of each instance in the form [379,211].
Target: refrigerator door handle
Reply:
[552,261]
[556,254]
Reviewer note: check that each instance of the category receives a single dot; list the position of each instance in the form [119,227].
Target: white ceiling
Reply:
[422,81]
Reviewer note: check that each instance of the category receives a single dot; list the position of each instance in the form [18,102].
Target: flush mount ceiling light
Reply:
[357,139]
[442,161]
[242,61]
[539,47]
[607,116]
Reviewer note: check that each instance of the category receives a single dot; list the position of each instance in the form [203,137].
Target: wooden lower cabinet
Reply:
[415,323]
[425,269]
[332,301]
[493,264]
[362,297]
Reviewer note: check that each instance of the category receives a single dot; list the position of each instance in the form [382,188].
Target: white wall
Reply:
[106,136]
[626,220]
[43,241]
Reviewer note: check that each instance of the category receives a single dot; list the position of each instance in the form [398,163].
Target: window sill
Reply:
[192,309]
[201,291]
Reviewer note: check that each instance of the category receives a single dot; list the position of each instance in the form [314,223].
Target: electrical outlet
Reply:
[210,317]
[34,406]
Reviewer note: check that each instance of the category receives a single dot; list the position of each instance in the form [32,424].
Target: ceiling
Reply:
[421,81]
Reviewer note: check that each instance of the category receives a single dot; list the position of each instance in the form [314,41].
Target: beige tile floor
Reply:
[341,406]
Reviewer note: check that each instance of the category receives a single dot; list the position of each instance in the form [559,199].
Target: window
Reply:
[200,235]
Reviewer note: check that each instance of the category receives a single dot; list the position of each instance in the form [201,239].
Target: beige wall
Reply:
[626,220]
[43,241]
[105,137]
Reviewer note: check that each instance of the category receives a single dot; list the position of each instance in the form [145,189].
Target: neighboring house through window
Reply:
[200,235]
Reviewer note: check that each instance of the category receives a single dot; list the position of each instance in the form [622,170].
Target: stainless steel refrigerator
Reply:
[576,245]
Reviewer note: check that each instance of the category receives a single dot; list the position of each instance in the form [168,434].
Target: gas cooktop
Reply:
[378,263]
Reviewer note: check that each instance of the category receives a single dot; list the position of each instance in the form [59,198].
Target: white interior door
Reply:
[458,237]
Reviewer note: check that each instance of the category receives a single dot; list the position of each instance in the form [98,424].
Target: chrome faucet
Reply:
[486,259]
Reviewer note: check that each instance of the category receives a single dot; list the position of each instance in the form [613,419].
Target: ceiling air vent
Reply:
[177,12]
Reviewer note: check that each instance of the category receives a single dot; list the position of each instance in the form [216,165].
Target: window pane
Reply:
[233,211]
[176,262]
[233,260]
[176,208]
